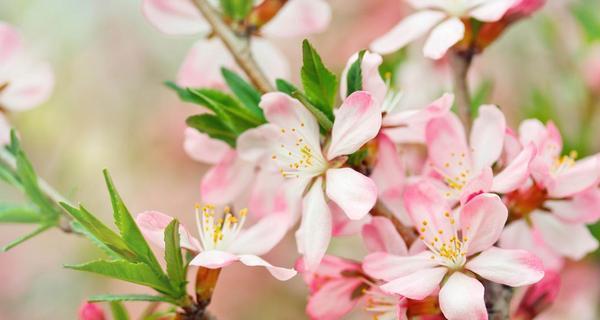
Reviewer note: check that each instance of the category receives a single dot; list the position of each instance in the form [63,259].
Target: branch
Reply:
[239,47]
[460,62]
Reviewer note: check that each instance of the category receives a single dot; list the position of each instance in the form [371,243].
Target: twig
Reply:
[238,46]
[460,62]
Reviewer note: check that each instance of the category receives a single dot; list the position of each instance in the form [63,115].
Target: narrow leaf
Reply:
[320,84]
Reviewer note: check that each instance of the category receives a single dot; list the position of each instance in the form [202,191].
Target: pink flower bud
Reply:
[91,311]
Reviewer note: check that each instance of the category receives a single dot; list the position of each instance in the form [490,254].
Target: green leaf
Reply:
[26,237]
[118,311]
[212,126]
[173,257]
[245,92]
[138,273]
[130,297]
[130,233]
[320,84]
[354,78]
[236,9]
[19,213]
[285,87]
[101,232]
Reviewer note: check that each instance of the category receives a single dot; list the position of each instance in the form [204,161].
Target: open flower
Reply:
[201,67]
[445,19]
[298,152]
[558,201]
[466,169]
[460,246]
[222,239]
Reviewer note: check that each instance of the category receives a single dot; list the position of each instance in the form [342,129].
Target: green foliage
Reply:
[118,311]
[236,9]
[587,13]
[320,84]
[354,79]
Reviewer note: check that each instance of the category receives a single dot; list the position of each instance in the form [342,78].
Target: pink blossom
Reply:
[222,240]
[91,311]
[459,242]
[443,20]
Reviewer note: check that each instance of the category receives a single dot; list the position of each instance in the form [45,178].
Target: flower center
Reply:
[217,232]
[296,157]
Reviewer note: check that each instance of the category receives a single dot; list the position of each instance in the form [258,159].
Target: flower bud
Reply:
[91,311]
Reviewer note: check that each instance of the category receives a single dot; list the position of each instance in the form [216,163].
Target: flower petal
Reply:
[380,236]
[352,191]
[492,10]
[515,268]
[570,240]
[516,173]
[481,221]
[408,30]
[152,224]
[174,16]
[213,259]
[315,229]
[461,297]
[417,285]
[357,121]
[279,273]
[203,148]
[226,181]
[387,267]
[299,18]
[443,37]
[487,136]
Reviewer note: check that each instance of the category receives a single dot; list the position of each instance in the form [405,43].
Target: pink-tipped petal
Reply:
[443,37]
[570,240]
[299,18]
[29,88]
[516,173]
[174,16]
[381,236]
[226,181]
[583,207]
[213,259]
[315,228]
[515,268]
[256,143]
[408,30]
[387,267]
[584,174]
[352,191]
[282,274]
[418,285]
[481,221]
[357,121]
[492,10]
[447,146]
[461,298]
[202,148]
[487,136]
[152,224]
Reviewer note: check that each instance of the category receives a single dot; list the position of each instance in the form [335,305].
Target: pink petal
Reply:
[371,79]
[315,228]
[583,175]
[583,207]
[226,181]
[202,65]
[213,259]
[352,191]
[333,300]
[481,221]
[387,267]
[380,235]
[262,236]
[408,30]
[203,148]
[279,273]
[31,86]
[299,18]
[492,10]
[570,240]
[174,16]
[515,268]
[487,136]
[152,224]
[461,297]
[256,143]
[447,146]
[418,285]
[357,121]
[516,173]
[443,37]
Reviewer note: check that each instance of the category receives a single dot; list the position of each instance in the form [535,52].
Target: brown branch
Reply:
[407,233]
[238,46]
[460,62]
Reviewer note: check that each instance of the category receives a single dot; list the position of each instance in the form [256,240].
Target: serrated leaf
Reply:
[118,311]
[19,213]
[26,237]
[129,297]
[354,78]
[138,273]
[173,257]
[245,92]
[320,84]
[285,87]
[213,127]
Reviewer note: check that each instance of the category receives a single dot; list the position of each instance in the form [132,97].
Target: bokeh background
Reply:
[110,110]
